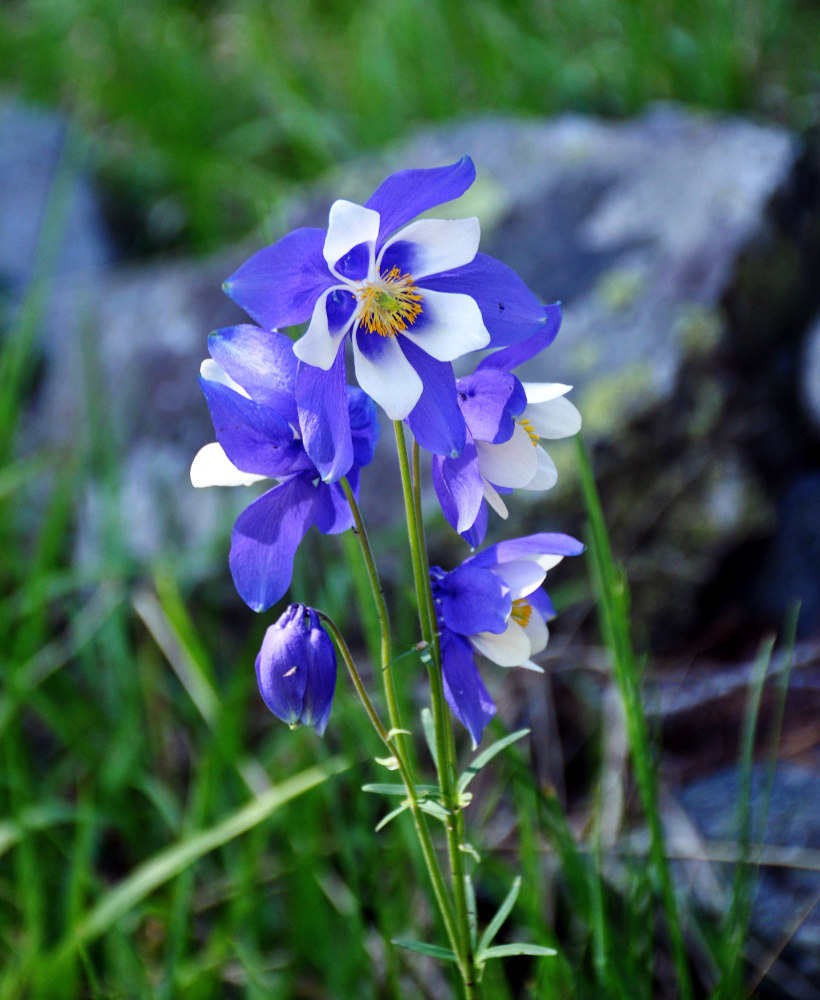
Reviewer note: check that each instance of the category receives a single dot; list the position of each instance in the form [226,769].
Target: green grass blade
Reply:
[501,915]
[487,755]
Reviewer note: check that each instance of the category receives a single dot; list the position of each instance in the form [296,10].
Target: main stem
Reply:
[445,743]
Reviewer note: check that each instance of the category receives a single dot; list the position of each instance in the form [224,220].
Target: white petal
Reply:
[452,326]
[541,392]
[512,463]
[439,244]
[547,561]
[495,501]
[546,476]
[212,372]
[537,633]
[530,665]
[555,418]
[212,467]
[391,380]
[348,225]
[509,649]
[522,576]
[318,346]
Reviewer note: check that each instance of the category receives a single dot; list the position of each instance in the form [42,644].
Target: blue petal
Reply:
[333,513]
[364,425]
[281,670]
[543,543]
[408,193]
[490,400]
[540,601]
[436,420]
[321,682]
[510,311]
[510,357]
[472,600]
[475,536]
[255,438]
[321,397]
[261,361]
[459,487]
[339,306]
[355,263]
[463,688]
[265,539]
[279,285]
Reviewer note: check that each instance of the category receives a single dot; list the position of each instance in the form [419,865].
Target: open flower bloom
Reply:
[494,604]
[249,385]
[296,669]
[505,421]
[411,299]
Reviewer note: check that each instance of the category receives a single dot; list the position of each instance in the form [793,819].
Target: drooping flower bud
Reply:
[296,669]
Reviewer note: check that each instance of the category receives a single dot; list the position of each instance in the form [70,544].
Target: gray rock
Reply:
[659,234]
[784,813]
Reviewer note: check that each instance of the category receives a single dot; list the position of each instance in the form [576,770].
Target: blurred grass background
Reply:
[132,738]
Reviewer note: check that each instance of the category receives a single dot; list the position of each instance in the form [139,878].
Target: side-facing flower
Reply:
[505,421]
[411,296]
[296,669]
[494,604]
[249,384]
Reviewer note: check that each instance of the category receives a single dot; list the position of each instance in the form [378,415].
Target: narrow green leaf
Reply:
[433,950]
[494,925]
[392,815]
[434,809]
[429,729]
[487,755]
[506,950]
[394,788]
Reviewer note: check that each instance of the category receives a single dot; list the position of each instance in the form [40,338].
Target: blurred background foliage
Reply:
[207,113]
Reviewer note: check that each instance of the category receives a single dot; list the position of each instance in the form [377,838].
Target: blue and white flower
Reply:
[410,296]
[249,386]
[493,604]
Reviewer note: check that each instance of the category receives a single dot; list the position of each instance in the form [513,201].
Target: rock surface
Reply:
[682,246]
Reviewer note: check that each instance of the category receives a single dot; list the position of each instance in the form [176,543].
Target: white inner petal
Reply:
[348,226]
[212,372]
[212,467]
[541,392]
[546,476]
[391,380]
[319,346]
[440,244]
[522,576]
[451,326]
[512,463]
[537,633]
[494,500]
[555,418]
[509,649]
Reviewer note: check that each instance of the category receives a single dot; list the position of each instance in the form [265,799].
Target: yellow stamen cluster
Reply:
[521,612]
[531,431]
[390,304]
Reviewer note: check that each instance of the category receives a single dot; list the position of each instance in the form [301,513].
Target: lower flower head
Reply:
[296,669]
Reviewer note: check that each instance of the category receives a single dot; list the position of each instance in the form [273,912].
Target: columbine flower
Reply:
[505,421]
[249,386]
[410,299]
[493,604]
[296,669]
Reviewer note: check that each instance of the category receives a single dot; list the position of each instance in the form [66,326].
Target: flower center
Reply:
[531,431]
[521,612]
[390,304]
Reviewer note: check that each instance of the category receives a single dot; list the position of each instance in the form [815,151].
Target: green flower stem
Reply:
[445,745]
[381,611]
[419,819]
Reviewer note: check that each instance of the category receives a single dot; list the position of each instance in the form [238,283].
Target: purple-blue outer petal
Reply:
[321,397]
[473,600]
[333,513]
[510,357]
[265,539]
[510,311]
[280,284]
[458,485]
[283,647]
[540,601]
[321,670]
[364,425]
[404,195]
[436,420]
[255,438]
[542,543]
[463,688]
[261,361]
[475,536]
[490,400]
